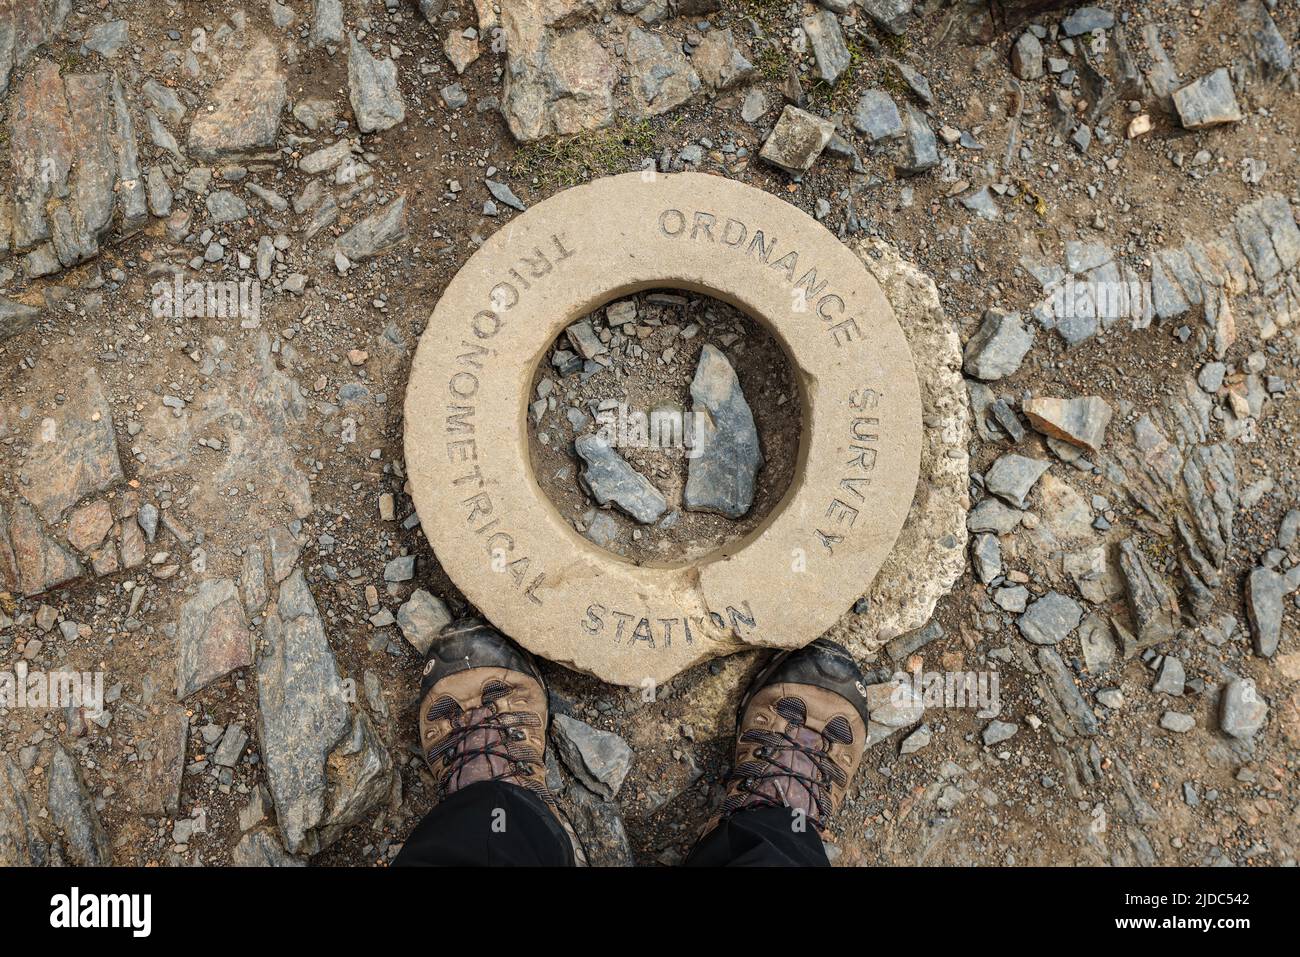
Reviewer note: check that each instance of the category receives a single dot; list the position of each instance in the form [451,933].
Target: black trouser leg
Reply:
[488,824]
[761,837]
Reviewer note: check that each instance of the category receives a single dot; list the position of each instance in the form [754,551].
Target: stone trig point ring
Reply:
[507,546]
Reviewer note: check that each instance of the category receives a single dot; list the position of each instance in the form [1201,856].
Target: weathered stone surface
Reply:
[1177,722]
[1081,421]
[1242,710]
[1171,677]
[421,618]
[377,103]
[376,234]
[25,26]
[719,61]
[559,80]
[1027,57]
[212,637]
[986,556]
[995,732]
[16,317]
[599,759]
[20,840]
[107,39]
[612,481]
[1060,682]
[894,704]
[1050,619]
[30,560]
[1265,592]
[891,15]
[1087,19]
[721,600]
[1209,101]
[73,451]
[42,146]
[1151,601]
[992,515]
[88,525]
[261,847]
[998,346]
[721,476]
[827,40]
[876,117]
[920,150]
[243,114]
[929,556]
[461,50]
[225,207]
[325,764]
[797,140]
[327,23]
[72,809]
[661,76]
[1012,477]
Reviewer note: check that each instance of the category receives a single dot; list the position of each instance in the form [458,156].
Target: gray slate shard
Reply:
[890,15]
[1060,681]
[599,759]
[1242,710]
[327,23]
[995,732]
[1013,476]
[992,515]
[1270,47]
[325,763]
[1151,602]
[920,150]
[721,476]
[1050,619]
[986,556]
[72,809]
[15,317]
[916,82]
[876,117]
[600,828]
[827,40]
[1027,57]
[1209,101]
[1171,677]
[1177,722]
[376,101]
[212,637]
[504,194]
[998,346]
[421,618]
[1086,20]
[611,480]
[1266,590]
[20,840]
[375,234]
[261,848]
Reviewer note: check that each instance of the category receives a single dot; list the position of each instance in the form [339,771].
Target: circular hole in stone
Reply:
[632,389]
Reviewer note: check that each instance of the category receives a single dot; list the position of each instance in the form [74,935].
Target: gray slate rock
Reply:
[212,637]
[986,555]
[375,234]
[1177,722]
[876,117]
[599,759]
[1242,710]
[1265,592]
[1209,101]
[721,475]
[998,731]
[326,765]
[998,346]
[920,150]
[15,317]
[72,809]
[1152,603]
[1060,682]
[504,194]
[376,101]
[1087,19]
[992,515]
[21,844]
[225,207]
[1012,477]
[327,23]
[827,41]
[1171,678]
[421,618]
[261,848]
[1027,57]
[890,15]
[1050,619]
[611,480]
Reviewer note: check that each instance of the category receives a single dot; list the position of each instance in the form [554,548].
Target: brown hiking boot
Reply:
[801,733]
[483,711]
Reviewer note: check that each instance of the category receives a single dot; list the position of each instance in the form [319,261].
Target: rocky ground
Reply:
[202,493]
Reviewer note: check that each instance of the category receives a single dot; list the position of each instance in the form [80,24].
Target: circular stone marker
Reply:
[508,548]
